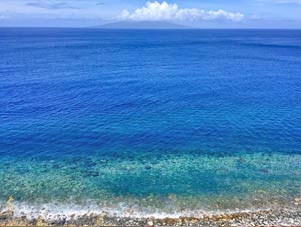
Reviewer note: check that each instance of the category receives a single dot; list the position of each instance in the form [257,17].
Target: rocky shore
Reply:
[272,217]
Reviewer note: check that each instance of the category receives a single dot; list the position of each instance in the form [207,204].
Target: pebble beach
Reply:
[272,217]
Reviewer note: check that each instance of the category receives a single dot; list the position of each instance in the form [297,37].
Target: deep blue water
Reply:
[89,114]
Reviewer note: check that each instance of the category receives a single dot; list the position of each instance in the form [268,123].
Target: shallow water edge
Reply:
[288,216]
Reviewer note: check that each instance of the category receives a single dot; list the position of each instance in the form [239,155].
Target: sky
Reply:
[192,13]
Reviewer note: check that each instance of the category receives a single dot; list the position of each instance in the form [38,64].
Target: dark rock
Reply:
[89,173]
[90,164]
[148,167]
[6,215]
[55,166]
[241,160]
[264,170]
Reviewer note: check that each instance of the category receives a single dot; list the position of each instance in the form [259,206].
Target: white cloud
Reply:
[155,11]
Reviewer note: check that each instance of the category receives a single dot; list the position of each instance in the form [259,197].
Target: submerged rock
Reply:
[264,170]
[147,167]
[242,160]
[90,174]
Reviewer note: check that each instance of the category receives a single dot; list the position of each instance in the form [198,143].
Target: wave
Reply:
[55,210]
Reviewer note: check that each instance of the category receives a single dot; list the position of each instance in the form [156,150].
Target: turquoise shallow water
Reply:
[144,122]
[149,185]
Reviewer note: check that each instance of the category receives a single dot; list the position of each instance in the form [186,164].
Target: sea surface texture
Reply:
[144,122]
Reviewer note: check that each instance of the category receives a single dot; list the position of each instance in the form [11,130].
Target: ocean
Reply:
[149,122]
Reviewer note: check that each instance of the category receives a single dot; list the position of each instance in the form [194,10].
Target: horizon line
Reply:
[184,28]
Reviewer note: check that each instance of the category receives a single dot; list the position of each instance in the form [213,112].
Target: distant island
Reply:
[143,25]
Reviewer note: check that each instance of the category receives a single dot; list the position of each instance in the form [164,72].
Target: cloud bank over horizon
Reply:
[156,11]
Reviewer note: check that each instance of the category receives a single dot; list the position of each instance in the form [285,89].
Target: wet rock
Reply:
[150,222]
[276,217]
[6,215]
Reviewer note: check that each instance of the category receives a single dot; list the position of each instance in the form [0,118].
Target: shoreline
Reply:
[270,217]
